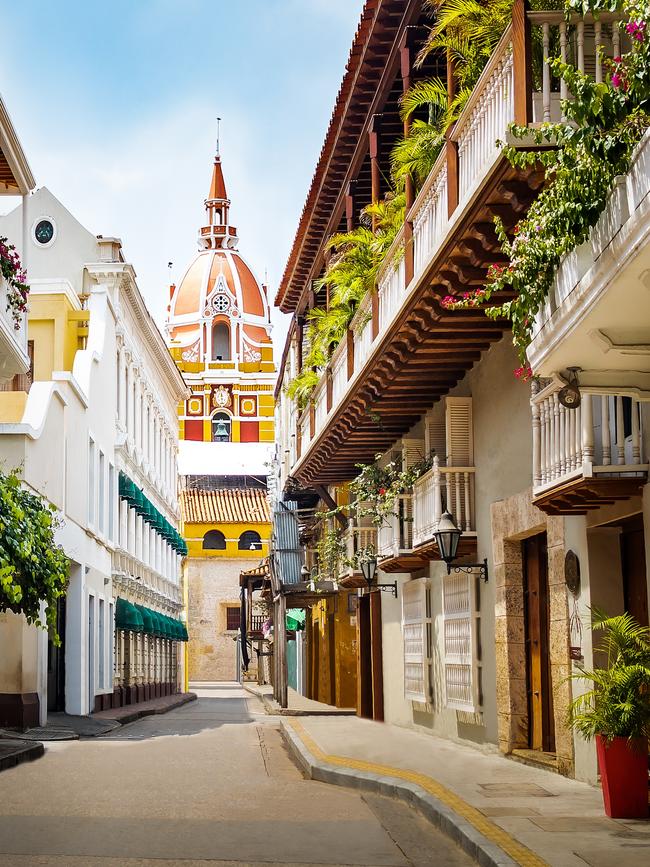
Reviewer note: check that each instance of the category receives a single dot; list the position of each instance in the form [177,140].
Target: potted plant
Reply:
[616,712]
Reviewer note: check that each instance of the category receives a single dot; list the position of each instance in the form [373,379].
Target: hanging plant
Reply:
[604,122]
[16,279]
[33,568]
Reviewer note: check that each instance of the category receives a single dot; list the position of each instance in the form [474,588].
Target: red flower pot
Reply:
[624,776]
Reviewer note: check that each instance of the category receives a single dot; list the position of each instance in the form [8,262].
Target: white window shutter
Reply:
[461,623]
[417,638]
[460,439]
[435,438]
[412,452]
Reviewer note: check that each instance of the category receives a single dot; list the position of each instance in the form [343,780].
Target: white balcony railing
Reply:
[430,215]
[395,535]
[454,485]
[13,341]
[601,437]
[358,539]
[391,287]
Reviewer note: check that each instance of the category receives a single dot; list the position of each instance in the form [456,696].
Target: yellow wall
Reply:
[54,326]
[333,653]
[194,533]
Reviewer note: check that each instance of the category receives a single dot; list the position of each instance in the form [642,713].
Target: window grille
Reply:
[461,649]
[417,638]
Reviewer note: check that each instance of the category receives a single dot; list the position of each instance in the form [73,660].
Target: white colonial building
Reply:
[93,427]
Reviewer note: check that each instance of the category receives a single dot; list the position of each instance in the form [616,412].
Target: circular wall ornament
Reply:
[221,302]
[44,231]
[572,573]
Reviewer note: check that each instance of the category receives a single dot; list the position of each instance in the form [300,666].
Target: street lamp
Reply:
[447,537]
[369,572]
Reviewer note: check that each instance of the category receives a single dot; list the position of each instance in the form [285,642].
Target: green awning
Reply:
[147,619]
[295,618]
[127,616]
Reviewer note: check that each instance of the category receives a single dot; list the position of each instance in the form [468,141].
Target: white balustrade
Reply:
[362,331]
[452,485]
[430,215]
[391,287]
[486,117]
[601,437]
[358,539]
[320,406]
[339,373]
[395,535]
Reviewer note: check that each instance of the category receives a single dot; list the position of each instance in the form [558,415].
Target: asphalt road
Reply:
[207,784]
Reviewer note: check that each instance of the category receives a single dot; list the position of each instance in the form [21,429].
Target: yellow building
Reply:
[219,335]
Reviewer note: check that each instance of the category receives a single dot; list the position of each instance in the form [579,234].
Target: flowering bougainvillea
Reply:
[604,122]
[16,278]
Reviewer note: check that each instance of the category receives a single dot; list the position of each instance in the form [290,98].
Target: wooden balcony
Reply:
[443,488]
[587,457]
[591,319]
[14,359]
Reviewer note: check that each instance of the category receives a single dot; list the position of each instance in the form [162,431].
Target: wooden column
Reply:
[450,145]
[522,63]
[374,132]
[406,66]
[377,663]
[349,336]
[281,640]
[350,206]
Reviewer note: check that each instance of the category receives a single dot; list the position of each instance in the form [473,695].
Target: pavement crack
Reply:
[387,831]
[263,750]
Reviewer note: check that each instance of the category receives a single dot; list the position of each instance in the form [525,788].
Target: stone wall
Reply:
[213,586]
[515,519]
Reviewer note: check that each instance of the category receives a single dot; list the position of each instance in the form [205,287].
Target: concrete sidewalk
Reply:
[298,704]
[131,712]
[500,811]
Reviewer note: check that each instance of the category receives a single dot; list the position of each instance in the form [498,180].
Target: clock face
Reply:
[44,231]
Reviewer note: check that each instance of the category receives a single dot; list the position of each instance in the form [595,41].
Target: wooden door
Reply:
[541,729]
[635,585]
[376,657]
[364,658]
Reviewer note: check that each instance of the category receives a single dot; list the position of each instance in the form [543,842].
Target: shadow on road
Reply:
[217,704]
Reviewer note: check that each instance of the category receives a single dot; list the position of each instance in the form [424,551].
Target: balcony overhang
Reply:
[428,349]
[581,495]
[596,316]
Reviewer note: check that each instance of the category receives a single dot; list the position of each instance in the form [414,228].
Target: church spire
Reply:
[218,232]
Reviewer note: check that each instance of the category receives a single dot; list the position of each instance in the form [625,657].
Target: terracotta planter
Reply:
[624,776]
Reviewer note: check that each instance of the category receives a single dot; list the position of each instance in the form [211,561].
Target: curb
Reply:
[459,829]
[273,708]
[20,754]
[138,713]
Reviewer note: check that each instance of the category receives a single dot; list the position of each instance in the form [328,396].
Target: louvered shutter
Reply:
[416,633]
[412,452]
[461,622]
[435,438]
[460,439]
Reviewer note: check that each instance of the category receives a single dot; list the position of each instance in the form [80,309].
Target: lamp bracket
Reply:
[386,588]
[470,567]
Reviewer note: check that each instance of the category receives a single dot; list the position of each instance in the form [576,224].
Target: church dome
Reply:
[219,286]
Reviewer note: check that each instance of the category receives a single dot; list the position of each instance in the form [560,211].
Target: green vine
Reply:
[603,124]
[33,568]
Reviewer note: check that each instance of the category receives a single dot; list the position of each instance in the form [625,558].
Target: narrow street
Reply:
[209,783]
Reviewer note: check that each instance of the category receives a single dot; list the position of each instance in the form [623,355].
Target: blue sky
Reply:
[115,104]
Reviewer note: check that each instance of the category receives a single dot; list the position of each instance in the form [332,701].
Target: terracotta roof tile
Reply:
[228,506]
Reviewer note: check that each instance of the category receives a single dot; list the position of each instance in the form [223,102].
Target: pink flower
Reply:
[523,373]
[616,80]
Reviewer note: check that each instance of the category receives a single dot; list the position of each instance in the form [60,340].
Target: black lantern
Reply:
[447,537]
[369,572]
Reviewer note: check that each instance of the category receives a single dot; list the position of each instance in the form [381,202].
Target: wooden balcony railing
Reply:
[600,439]
[450,488]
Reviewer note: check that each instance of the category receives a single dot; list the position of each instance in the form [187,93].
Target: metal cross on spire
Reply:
[218,134]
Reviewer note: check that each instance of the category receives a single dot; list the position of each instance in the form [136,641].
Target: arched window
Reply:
[220,342]
[250,541]
[221,427]
[214,540]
